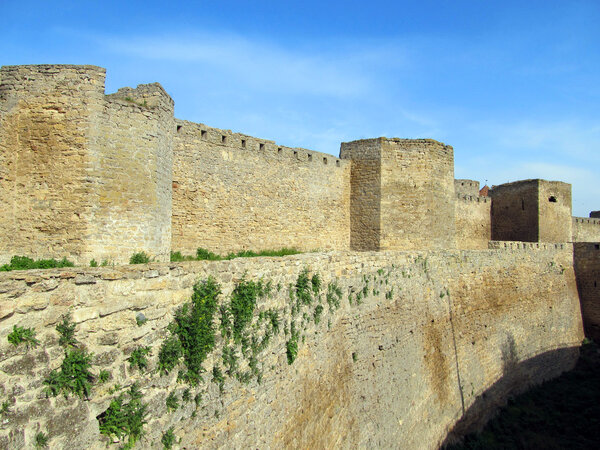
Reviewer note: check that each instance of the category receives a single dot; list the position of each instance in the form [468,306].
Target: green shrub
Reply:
[291,345]
[4,408]
[334,296]
[194,327]
[74,375]
[203,254]
[138,358]
[41,440]
[169,354]
[168,439]
[23,335]
[243,302]
[103,376]
[218,378]
[303,289]
[93,263]
[125,419]
[317,314]
[66,329]
[172,402]
[26,263]
[230,360]
[316,283]
[139,258]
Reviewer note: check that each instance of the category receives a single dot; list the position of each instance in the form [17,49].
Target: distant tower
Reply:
[402,194]
[532,211]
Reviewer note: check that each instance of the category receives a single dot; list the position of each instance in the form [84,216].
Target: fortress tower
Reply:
[82,174]
[402,194]
[532,211]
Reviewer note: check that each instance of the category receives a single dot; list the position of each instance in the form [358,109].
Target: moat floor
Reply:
[563,413]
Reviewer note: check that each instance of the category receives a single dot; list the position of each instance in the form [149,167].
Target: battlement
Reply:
[586,220]
[467,187]
[519,245]
[467,198]
[586,229]
[199,132]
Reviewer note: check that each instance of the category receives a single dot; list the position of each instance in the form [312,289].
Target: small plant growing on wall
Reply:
[21,335]
[125,420]
[41,440]
[192,333]
[74,376]
[168,439]
[66,329]
[139,258]
[138,358]
[172,402]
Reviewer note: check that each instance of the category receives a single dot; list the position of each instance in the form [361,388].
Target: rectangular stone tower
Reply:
[402,194]
[82,175]
[532,211]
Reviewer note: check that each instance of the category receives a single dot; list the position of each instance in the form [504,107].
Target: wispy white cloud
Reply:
[264,66]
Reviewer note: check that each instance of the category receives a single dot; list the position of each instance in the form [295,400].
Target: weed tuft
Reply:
[125,419]
[139,258]
[21,335]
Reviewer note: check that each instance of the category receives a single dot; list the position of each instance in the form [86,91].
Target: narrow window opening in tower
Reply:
[178,128]
[552,199]
[309,157]
[337,163]
[295,153]
[243,143]
[261,146]
[203,134]
[223,139]
[324,160]
[279,150]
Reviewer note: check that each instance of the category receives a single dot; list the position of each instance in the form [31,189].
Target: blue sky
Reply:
[513,86]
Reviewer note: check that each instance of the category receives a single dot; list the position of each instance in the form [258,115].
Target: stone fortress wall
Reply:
[83,175]
[443,274]
[234,192]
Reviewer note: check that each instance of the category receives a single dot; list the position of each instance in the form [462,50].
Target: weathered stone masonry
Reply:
[435,318]
[394,370]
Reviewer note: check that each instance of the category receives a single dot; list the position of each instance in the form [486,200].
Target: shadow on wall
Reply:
[517,378]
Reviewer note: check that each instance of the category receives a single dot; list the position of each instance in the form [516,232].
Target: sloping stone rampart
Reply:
[397,367]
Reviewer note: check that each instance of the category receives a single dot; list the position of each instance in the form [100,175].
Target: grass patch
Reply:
[203,254]
[25,263]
